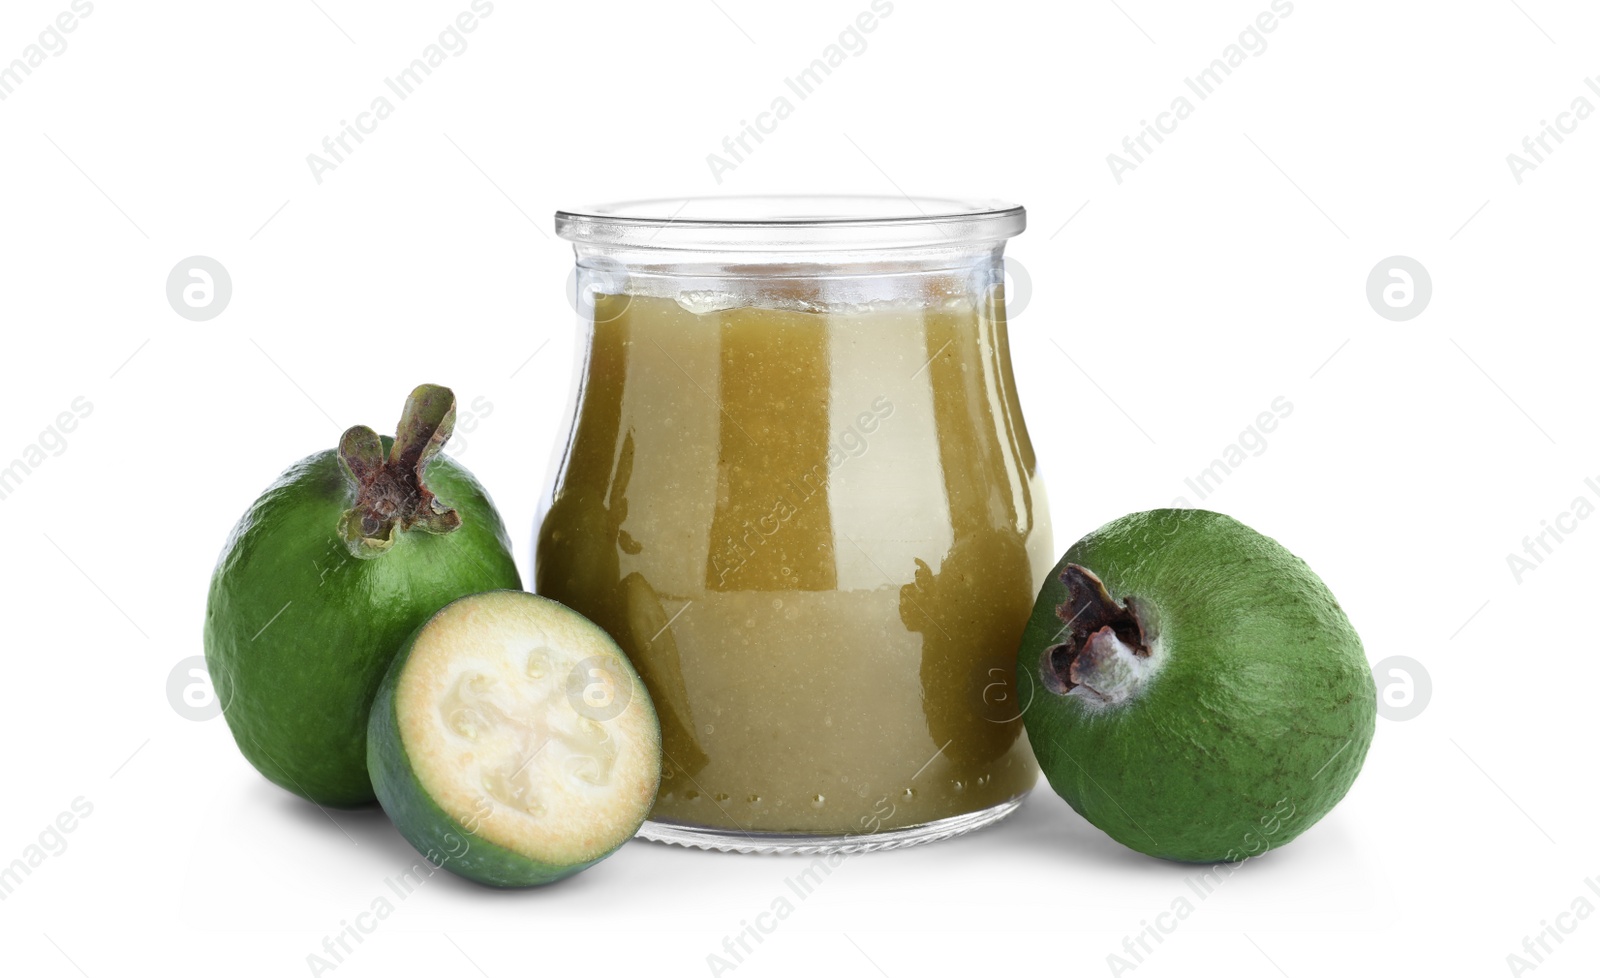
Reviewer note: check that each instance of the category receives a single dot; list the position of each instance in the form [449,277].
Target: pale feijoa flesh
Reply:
[1199,694]
[512,742]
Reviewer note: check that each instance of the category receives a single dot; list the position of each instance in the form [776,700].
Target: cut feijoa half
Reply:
[512,742]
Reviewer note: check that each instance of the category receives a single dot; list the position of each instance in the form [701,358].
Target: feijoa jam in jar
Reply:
[798,490]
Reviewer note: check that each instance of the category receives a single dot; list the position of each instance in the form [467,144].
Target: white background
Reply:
[1227,270]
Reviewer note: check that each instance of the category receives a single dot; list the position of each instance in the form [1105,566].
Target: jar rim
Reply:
[799,222]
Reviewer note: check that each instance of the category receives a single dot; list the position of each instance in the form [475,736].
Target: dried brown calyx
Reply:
[1108,650]
[391,495]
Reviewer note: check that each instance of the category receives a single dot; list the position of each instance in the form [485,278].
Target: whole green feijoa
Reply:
[323,579]
[1200,695]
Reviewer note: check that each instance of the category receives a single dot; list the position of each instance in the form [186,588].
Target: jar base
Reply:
[790,844]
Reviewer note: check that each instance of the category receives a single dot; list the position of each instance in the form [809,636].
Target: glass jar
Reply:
[798,491]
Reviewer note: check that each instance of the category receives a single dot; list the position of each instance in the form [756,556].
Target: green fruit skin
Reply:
[296,692]
[438,835]
[1253,729]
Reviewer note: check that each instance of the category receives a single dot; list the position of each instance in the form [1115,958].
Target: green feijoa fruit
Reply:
[1199,694]
[325,576]
[512,742]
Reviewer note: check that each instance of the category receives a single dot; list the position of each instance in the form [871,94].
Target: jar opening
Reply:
[800,223]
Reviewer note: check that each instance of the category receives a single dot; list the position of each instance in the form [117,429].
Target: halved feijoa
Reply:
[512,742]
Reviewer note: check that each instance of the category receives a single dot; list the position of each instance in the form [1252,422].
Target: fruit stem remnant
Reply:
[390,493]
[1108,652]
